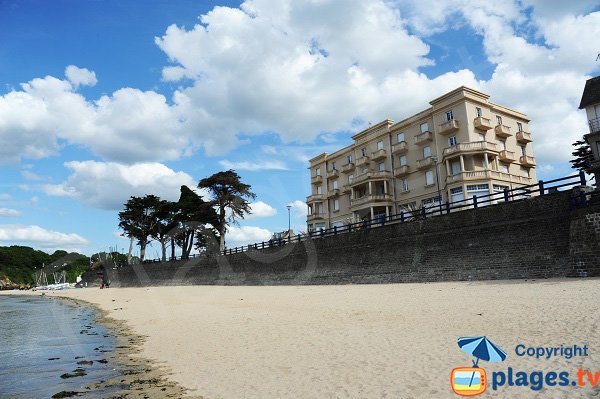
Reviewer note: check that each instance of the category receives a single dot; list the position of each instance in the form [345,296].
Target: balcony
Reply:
[333,192]
[506,156]
[401,171]
[315,216]
[360,179]
[349,167]
[346,188]
[524,137]
[526,160]
[502,131]
[474,146]
[487,174]
[316,179]
[332,173]
[594,125]
[315,198]
[370,198]
[482,123]
[379,154]
[425,163]
[448,127]
[362,161]
[423,137]
[400,147]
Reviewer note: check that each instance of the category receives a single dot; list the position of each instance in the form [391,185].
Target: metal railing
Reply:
[474,202]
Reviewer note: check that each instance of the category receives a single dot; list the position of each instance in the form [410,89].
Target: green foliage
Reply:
[582,156]
[20,264]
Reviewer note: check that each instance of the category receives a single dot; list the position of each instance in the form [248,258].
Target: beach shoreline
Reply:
[388,340]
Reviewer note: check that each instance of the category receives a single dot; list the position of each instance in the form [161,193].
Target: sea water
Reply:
[43,340]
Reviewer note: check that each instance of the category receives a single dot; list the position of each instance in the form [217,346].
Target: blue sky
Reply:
[100,100]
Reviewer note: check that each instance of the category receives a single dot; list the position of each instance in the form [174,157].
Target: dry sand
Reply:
[353,341]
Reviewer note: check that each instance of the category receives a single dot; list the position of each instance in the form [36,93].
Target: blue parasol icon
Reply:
[483,349]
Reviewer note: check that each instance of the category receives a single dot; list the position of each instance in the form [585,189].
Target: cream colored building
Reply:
[463,145]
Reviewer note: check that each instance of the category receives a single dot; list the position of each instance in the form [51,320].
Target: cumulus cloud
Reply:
[108,185]
[80,76]
[41,238]
[253,166]
[244,235]
[261,209]
[8,212]
[299,208]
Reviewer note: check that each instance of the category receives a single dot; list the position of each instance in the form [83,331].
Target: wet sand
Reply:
[352,341]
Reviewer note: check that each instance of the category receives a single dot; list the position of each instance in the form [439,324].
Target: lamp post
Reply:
[289,208]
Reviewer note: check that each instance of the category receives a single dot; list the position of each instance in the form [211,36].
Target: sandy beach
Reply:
[353,341]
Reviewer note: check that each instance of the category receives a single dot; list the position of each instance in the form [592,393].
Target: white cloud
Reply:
[253,166]
[244,235]
[8,212]
[80,76]
[29,175]
[299,208]
[108,185]
[5,196]
[40,237]
[260,209]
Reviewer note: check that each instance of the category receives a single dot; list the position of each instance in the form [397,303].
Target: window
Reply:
[335,184]
[333,165]
[519,126]
[481,136]
[432,202]
[452,140]
[426,152]
[429,178]
[363,151]
[402,159]
[349,158]
[499,119]
[455,167]
[381,167]
[449,115]
[478,111]
[424,127]
[319,190]
[318,172]
[336,204]
[350,177]
[523,151]
[400,137]
[524,172]
[404,183]
[456,194]
[504,168]
[502,144]
[380,145]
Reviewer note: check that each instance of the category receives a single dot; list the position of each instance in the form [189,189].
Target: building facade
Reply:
[463,145]
[590,101]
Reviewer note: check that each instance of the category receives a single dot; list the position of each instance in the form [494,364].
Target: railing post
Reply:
[447,206]
[322,232]
[475,201]
[335,230]
[541,186]
[506,195]
[582,178]
[383,220]
[401,216]
[263,245]
[424,212]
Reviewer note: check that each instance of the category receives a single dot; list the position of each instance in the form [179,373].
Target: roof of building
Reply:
[591,92]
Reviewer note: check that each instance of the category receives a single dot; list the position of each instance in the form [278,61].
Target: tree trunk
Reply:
[142,251]
[222,229]
[172,248]
[163,244]
[130,250]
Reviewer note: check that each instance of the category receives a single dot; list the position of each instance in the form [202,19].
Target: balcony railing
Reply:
[482,123]
[502,131]
[314,216]
[370,176]
[379,154]
[400,147]
[425,163]
[448,127]
[333,192]
[488,174]
[526,160]
[594,125]
[316,179]
[401,171]
[332,173]
[349,167]
[346,188]
[423,137]
[362,161]
[370,198]
[473,146]
[524,137]
[506,156]
[315,197]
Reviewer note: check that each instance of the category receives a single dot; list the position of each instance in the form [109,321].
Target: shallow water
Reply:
[34,330]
